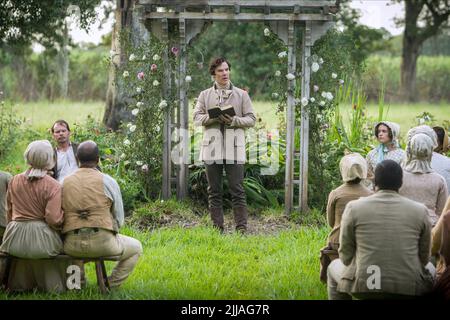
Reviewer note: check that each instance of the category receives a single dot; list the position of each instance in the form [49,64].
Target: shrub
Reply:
[9,128]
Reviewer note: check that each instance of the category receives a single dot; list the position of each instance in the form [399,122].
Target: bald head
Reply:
[88,154]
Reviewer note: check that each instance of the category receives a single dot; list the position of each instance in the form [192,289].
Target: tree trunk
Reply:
[127,17]
[63,64]
[410,54]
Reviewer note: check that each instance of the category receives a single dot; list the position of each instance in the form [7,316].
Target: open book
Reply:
[216,111]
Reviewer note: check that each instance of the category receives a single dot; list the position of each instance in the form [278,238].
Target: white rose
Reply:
[163,104]
[315,67]
[315,88]
[266,32]
[135,111]
[144,57]
[133,128]
[126,142]
[277,73]
[282,54]
[139,163]
[157,128]
[321,61]
[334,75]
[329,96]
[155,83]
[322,103]
[188,79]
[126,74]
[132,57]
[138,89]
[144,167]
[128,124]
[341,81]
[312,99]
[304,101]
[324,94]
[290,76]
[139,104]
[156,57]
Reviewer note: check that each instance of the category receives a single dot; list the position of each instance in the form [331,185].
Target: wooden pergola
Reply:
[284,17]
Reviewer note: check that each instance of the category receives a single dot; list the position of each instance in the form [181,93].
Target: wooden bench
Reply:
[100,269]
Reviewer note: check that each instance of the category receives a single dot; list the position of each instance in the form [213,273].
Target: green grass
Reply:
[401,113]
[199,263]
[41,115]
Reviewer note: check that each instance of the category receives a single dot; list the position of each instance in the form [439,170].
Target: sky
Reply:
[375,13]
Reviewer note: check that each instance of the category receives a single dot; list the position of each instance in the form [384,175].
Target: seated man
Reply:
[93,213]
[384,244]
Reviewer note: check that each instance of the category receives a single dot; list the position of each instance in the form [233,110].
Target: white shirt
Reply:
[112,191]
[67,164]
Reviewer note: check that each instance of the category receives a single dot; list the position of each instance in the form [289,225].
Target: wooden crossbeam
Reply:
[220,16]
[243,3]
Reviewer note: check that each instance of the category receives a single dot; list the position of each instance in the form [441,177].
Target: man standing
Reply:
[65,151]
[223,145]
[4,180]
[93,214]
[384,244]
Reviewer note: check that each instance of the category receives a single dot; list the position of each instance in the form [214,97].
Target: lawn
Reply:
[199,263]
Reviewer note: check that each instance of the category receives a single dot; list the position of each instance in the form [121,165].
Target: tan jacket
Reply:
[436,234]
[391,232]
[229,145]
[85,203]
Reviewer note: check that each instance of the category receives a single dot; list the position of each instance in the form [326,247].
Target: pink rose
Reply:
[154,67]
[175,50]
[140,75]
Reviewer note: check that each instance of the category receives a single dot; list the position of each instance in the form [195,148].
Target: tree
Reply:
[125,23]
[423,20]
[26,21]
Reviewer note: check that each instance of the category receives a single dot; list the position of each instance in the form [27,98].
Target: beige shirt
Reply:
[427,188]
[39,199]
[337,200]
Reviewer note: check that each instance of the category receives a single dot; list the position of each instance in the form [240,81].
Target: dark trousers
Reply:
[235,176]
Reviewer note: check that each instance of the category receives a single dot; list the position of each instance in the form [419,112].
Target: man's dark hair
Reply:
[88,152]
[61,122]
[215,62]
[440,132]
[391,136]
[388,175]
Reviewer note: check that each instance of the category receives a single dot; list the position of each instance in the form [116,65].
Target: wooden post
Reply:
[166,187]
[304,136]
[182,186]
[290,121]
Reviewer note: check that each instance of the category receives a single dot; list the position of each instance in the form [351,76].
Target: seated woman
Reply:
[353,169]
[441,246]
[437,239]
[420,182]
[387,134]
[34,217]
